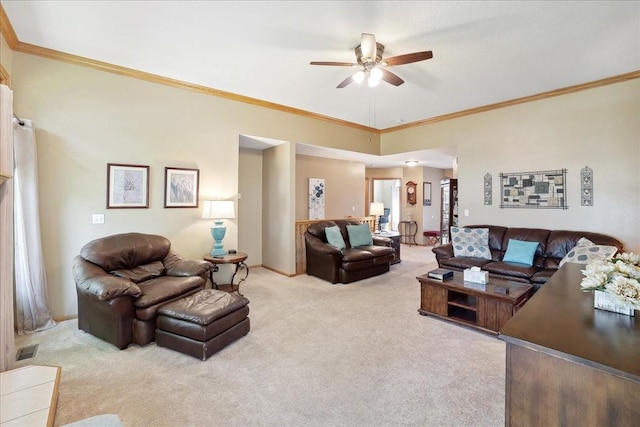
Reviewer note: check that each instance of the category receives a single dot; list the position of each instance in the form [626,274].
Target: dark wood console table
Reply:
[395,243]
[568,363]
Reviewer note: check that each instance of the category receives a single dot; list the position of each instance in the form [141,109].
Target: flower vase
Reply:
[604,301]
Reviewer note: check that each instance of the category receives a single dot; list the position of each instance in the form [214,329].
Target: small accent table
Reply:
[395,243]
[237,259]
[408,231]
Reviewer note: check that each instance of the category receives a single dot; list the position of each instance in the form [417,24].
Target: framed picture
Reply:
[127,186]
[181,187]
[426,194]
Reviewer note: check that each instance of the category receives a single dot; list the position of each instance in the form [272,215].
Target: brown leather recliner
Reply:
[348,265]
[122,281]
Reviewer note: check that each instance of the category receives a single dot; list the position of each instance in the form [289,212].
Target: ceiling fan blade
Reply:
[408,58]
[368,47]
[389,77]
[337,64]
[345,82]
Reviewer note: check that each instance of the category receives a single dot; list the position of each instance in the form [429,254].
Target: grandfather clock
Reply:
[411,192]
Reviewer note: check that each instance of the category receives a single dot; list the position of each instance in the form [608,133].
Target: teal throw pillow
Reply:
[520,252]
[334,237]
[359,235]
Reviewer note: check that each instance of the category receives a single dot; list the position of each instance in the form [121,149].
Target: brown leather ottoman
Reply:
[203,323]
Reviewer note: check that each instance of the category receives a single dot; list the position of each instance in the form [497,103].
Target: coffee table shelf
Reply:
[466,303]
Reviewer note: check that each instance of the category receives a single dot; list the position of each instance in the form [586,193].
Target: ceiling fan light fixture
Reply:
[358,77]
[374,77]
[376,73]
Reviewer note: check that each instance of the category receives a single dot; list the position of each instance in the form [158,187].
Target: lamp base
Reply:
[217,232]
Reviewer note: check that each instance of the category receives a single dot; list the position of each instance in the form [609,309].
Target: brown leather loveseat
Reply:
[553,246]
[122,281]
[347,265]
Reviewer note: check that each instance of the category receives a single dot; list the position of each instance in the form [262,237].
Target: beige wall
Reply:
[344,186]
[278,214]
[86,118]
[430,214]
[250,205]
[599,128]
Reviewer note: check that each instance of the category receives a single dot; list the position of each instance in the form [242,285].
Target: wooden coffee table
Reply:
[471,304]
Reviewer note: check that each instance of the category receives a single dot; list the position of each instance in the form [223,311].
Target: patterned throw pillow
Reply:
[470,242]
[586,251]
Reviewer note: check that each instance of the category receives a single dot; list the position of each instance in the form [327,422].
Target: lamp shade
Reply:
[376,209]
[218,209]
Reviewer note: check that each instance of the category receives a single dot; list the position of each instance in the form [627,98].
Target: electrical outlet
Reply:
[97,219]
[466,212]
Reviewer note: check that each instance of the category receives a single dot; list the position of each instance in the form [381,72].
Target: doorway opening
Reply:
[387,192]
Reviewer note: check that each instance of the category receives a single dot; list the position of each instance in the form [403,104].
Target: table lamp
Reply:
[377,209]
[218,210]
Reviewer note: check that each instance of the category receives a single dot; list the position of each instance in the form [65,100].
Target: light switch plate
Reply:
[97,219]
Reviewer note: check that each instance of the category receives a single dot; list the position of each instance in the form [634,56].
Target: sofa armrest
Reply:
[318,247]
[323,260]
[177,266]
[381,241]
[91,278]
[443,251]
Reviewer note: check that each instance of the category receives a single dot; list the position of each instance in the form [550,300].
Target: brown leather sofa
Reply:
[348,265]
[553,245]
[122,281]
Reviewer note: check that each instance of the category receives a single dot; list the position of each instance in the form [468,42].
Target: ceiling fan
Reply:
[372,66]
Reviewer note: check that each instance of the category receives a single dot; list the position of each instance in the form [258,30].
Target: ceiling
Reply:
[484,52]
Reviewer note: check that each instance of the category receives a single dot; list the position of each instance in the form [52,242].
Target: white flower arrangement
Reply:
[619,277]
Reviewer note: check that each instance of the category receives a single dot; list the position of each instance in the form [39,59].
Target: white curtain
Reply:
[32,295]
[7,343]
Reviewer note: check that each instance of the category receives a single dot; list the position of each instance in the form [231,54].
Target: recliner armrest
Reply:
[91,278]
[381,241]
[189,267]
[177,266]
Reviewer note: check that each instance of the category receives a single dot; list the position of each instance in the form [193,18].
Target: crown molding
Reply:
[544,95]
[16,45]
[7,29]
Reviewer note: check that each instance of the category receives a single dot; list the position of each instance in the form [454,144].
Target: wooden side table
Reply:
[408,231]
[395,243]
[237,259]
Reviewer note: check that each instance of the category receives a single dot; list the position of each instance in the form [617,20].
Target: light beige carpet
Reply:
[317,355]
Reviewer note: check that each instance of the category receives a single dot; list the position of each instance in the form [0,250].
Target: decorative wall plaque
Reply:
[586,186]
[488,196]
[538,190]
